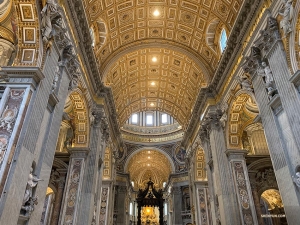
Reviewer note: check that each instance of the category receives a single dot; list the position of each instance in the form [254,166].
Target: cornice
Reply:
[76,10]
[106,93]
[196,114]
[235,41]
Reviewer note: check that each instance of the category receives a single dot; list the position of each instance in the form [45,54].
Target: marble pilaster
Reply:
[242,186]
[278,120]
[72,193]
[177,202]
[203,202]
[93,172]
[205,143]
[121,196]
[226,209]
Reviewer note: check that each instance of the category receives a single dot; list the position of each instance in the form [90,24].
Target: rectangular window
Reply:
[130,208]
[149,119]
[164,118]
[134,118]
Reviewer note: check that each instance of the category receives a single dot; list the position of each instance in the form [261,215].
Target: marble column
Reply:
[242,185]
[92,175]
[72,193]
[226,205]
[256,197]
[58,196]
[278,112]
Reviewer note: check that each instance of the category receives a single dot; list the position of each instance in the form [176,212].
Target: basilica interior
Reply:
[149,112]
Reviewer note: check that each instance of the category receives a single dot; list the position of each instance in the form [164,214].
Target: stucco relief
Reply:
[73,192]
[8,118]
[203,206]
[103,206]
[243,194]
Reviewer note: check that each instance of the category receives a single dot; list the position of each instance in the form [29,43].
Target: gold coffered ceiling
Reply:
[170,84]
[149,163]
[180,22]
[182,34]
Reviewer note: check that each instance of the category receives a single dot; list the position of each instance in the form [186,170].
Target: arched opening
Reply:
[272,208]
[74,129]
[48,207]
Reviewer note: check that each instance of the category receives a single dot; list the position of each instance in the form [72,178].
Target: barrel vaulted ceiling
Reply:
[149,163]
[170,84]
[183,35]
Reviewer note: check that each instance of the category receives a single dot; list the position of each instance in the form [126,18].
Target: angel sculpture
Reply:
[31,183]
[287,12]
[297,179]
[49,12]
[29,200]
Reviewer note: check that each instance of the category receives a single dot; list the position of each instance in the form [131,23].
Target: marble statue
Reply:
[29,200]
[245,83]
[287,12]
[266,72]
[297,179]
[55,80]
[224,117]
[48,12]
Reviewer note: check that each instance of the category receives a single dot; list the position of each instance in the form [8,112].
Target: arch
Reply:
[59,164]
[100,30]
[272,197]
[212,33]
[178,80]
[130,155]
[260,166]
[241,113]
[76,106]
[198,59]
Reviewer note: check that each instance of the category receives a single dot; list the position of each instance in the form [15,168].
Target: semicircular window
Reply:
[151,119]
[150,126]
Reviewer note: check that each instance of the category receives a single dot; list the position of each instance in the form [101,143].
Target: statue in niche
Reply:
[296,179]
[48,12]
[245,83]
[287,12]
[266,73]
[29,200]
